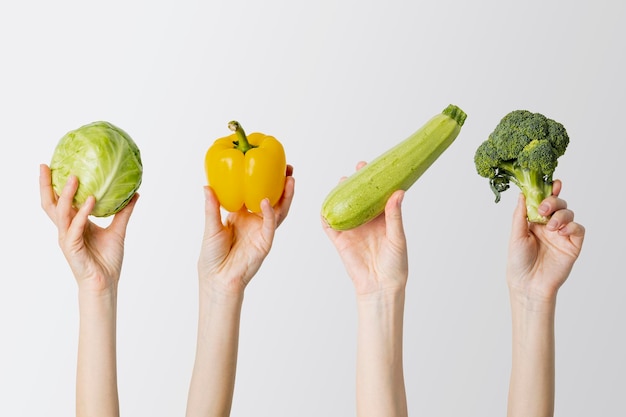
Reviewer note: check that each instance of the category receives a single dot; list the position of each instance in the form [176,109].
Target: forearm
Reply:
[531,389]
[380,376]
[213,377]
[96,379]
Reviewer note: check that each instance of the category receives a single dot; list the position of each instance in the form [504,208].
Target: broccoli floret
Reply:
[523,149]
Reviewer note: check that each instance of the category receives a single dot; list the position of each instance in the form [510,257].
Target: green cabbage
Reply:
[106,161]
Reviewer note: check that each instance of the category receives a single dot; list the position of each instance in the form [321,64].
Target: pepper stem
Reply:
[241,143]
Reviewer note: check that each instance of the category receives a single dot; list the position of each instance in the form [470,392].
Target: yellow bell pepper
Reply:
[244,170]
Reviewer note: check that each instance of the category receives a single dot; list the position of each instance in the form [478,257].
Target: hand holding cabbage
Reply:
[107,163]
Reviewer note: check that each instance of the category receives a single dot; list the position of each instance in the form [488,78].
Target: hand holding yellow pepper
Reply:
[243,170]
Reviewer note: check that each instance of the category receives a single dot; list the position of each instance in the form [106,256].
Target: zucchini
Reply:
[362,196]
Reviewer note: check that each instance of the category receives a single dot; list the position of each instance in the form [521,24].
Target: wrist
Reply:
[531,305]
[532,301]
[97,294]
[97,305]
[375,286]
[97,285]
[389,296]
[384,307]
[226,295]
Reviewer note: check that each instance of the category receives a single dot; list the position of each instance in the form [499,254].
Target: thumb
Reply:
[268,227]
[519,227]
[212,215]
[393,217]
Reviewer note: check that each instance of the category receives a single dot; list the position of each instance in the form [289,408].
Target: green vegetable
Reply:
[362,196]
[106,161]
[523,149]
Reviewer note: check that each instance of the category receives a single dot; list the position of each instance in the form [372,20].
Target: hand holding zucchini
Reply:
[362,196]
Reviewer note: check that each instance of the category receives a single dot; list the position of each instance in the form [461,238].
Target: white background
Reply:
[336,82]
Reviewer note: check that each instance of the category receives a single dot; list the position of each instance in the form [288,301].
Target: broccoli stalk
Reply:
[534,184]
[523,149]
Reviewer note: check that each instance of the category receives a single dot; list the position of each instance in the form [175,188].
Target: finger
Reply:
[64,209]
[330,232]
[212,215]
[576,233]
[519,227]
[46,192]
[551,205]
[289,171]
[121,218]
[79,222]
[560,219]
[556,187]
[284,204]
[268,227]
[393,218]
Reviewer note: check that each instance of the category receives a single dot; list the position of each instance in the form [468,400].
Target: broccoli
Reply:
[523,149]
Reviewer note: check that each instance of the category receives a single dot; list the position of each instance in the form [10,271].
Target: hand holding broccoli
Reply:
[523,149]
[542,256]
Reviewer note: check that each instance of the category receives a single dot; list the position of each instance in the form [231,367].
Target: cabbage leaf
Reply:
[106,161]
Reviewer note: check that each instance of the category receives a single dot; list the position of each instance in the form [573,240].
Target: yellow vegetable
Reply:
[244,170]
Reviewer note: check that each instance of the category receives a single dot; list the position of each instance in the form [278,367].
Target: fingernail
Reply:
[552,224]
[543,208]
